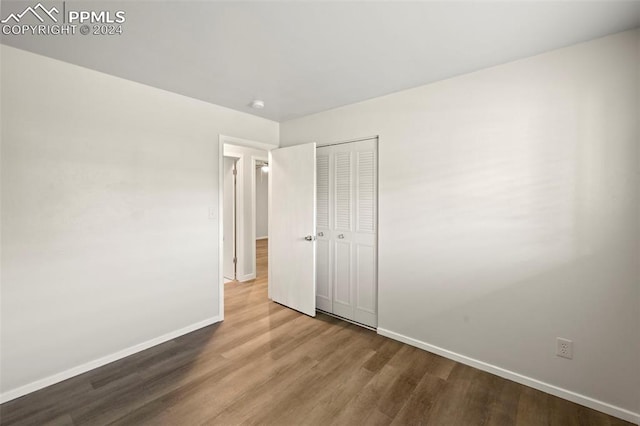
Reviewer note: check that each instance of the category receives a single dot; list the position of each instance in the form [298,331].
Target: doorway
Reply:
[262,199]
[238,197]
[261,216]
[346,268]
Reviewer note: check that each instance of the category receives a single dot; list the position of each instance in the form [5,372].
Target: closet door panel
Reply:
[342,191]
[365,310]
[366,191]
[342,300]
[323,275]
[364,239]
[324,285]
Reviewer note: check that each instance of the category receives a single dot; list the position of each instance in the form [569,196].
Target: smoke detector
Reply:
[257,104]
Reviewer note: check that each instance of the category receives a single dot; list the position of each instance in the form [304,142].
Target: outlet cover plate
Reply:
[564,348]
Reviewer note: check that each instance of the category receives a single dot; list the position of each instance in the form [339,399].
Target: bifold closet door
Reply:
[346,229]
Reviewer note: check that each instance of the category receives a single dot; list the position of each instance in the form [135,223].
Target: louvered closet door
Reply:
[324,293]
[347,281]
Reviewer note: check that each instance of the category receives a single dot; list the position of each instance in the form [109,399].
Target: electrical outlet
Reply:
[564,348]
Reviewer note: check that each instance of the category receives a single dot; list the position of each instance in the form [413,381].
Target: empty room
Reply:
[320,213]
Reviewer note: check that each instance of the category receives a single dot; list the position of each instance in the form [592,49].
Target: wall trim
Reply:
[518,378]
[91,365]
[319,144]
[247,277]
[261,238]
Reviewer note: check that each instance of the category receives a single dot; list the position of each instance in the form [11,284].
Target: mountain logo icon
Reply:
[38,11]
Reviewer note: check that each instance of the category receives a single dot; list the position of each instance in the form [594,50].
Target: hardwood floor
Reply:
[266,364]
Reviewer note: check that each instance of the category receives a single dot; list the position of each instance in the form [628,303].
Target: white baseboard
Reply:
[262,238]
[604,407]
[75,371]
[248,277]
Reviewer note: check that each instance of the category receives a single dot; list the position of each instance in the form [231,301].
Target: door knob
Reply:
[341,236]
[309,238]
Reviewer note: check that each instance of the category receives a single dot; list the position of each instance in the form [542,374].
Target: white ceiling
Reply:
[306,57]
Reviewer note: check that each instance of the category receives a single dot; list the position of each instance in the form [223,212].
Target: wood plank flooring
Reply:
[266,364]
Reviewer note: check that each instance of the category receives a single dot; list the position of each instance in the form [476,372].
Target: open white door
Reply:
[292,227]
[229,219]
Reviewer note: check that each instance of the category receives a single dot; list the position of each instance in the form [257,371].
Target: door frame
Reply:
[254,162]
[222,140]
[234,240]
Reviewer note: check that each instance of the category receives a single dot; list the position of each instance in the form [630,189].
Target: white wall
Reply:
[107,188]
[245,239]
[262,203]
[509,214]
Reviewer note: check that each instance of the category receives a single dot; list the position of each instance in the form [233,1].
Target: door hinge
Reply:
[235,172]
[235,260]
